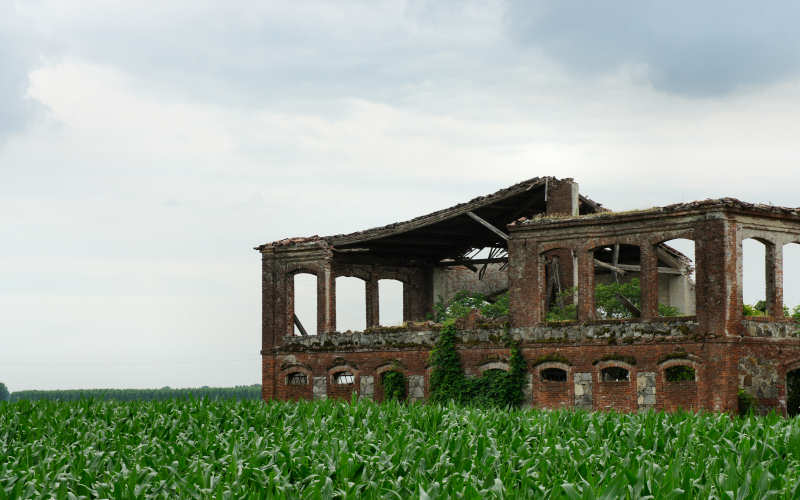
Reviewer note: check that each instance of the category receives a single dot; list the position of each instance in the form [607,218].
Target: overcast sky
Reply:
[146,147]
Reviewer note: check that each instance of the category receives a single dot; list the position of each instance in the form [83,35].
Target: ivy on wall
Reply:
[394,386]
[496,388]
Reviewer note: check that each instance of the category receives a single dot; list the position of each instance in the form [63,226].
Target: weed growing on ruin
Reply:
[495,388]
[394,386]
[465,301]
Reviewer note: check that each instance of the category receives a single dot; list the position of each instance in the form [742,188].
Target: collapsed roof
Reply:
[448,233]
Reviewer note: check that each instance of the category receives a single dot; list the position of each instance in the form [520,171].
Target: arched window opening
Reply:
[351,300]
[676,278]
[394,385]
[305,303]
[561,287]
[793,392]
[618,293]
[553,375]
[754,282]
[344,378]
[390,300]
[680,373]
[614,374]
[297,378]
[791,280]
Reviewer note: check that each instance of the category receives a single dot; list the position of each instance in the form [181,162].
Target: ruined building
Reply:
[544,237]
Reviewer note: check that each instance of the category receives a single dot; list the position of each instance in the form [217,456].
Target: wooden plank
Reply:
[487,225]
[616,269]
[303,331]
[630,306]
[497,260]
[662,270]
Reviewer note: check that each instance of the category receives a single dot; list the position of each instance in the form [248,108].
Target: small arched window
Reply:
[614,374]
[297,378]
[680,373]
[344,378]
[553,375]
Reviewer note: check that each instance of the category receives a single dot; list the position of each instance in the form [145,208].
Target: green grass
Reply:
[232,449]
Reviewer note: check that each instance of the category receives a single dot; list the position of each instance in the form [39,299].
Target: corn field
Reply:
[233,449]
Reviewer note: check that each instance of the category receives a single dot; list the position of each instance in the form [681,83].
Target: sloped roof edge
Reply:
[431,218]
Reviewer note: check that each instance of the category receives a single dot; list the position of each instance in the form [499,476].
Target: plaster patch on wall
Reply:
[367,387]
[416,387]
[320,387]
[583,390]
[646,390]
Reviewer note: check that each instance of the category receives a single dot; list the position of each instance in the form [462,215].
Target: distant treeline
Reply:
[239,392]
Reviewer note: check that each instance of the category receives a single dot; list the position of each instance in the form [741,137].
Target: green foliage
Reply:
[334,449]
[796,313]
[667,311]
[566,312]
[607,303]
[238,392]
[495,388]
[394,386]
[465,301]
[680,373]
[747,402]
[748,310]
[609,306]
[4,395]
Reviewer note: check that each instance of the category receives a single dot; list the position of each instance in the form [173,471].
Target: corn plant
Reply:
[236,449]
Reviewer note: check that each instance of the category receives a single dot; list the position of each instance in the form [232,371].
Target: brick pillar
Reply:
[372,301]
[268,376]
[525,287]
[326,300]
[418,295]
[718,290]
[649,280]
[586,308]
[774,279]
[562,197]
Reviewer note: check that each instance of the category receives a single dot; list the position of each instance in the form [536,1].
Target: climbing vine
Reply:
[394,386]
[496,388]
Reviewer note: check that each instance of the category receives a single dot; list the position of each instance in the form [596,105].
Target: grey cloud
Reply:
[695,49]
[17,58]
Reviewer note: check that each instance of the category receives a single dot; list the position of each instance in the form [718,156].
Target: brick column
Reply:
[563,199]
[418,295]
[774,280]
[586,307]
[649,280]
[525,290]
[372,301]
[326,300]
[718,290]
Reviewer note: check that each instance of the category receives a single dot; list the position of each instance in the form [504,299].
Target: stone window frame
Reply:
[599,367]
[553,364]
[670,363]
[343,368]
[296,369]
[492,365]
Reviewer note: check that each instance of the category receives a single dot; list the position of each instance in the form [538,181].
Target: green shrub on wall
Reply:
[747,402]
[394,386]
[495,388]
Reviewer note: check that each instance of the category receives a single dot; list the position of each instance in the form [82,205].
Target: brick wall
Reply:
[722,366]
